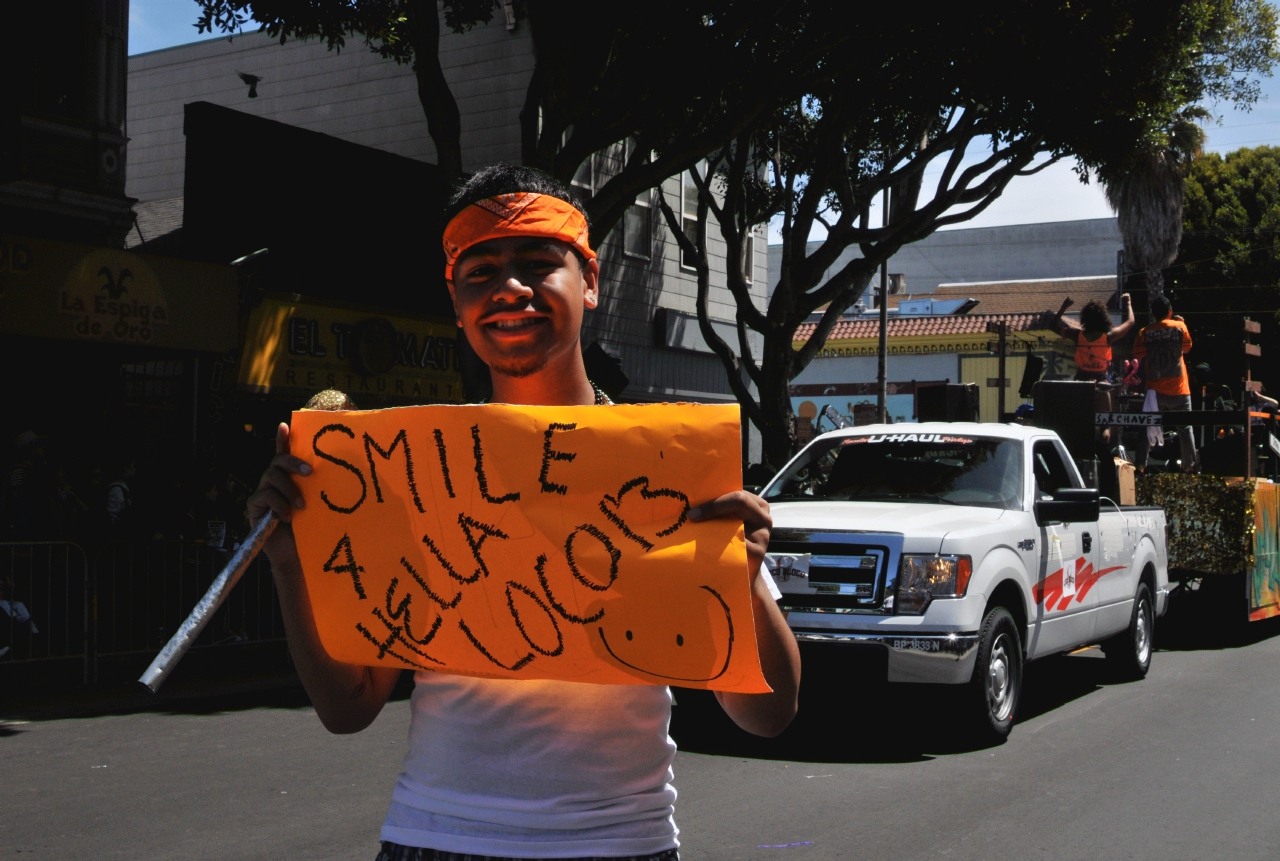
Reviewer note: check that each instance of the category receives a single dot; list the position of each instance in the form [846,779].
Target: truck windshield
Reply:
[906,467]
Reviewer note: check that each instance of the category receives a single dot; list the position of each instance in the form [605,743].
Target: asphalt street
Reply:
[1182,765]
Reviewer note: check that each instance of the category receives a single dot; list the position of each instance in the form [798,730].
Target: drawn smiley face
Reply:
[694,646]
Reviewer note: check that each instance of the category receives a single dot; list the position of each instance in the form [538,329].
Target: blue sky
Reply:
[1054,195]
[156,24]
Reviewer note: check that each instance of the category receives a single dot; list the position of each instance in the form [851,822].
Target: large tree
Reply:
[1146,193]
[673,80]
[1231,221]
[1145,188]
[976,95]
[1228,265]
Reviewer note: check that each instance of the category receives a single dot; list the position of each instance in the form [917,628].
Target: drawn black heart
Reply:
[643,483]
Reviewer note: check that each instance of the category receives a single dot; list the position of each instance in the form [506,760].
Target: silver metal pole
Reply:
[882,351]
[186,635]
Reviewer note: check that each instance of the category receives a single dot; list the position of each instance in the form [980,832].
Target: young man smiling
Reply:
[524,769]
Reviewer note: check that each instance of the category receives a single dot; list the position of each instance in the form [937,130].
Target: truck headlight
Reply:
[924,577]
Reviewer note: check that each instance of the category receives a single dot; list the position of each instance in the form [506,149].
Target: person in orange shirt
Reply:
[1160,347]
[1094,336]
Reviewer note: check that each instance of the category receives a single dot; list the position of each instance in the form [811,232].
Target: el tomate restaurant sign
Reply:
[295,348]
[80,292]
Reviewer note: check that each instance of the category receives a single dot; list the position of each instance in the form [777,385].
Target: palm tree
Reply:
[1146,195]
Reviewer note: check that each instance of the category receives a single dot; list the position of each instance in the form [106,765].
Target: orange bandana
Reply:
[521,214]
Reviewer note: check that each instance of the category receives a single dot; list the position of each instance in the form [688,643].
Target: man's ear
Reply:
[591,284]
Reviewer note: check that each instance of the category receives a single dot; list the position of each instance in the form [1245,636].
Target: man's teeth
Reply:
[513,324]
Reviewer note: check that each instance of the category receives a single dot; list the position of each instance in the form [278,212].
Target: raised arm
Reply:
[761,714]
[347,698]
[1119,331]
[1062,324]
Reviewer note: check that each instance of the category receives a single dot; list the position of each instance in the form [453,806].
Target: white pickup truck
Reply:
[962,551]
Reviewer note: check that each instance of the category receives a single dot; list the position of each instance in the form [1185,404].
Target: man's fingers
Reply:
[289,463]
[739,505]
[269,499]
[282,482]
[282,439]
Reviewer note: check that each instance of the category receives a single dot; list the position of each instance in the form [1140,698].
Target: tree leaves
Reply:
[1231,220]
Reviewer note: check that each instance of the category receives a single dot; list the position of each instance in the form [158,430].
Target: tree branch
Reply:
[698,251]
[438,104]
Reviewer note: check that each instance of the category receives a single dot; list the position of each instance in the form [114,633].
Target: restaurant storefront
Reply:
[294,348]
[114,366]
[150,370]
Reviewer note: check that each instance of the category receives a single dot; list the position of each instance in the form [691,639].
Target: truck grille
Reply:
[849,572]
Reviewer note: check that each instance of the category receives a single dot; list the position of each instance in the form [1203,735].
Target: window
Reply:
[637,222]
[749,256]
[921,467]
[585,176]
[637,227]
[689,214]
[1051,472]
[154,384]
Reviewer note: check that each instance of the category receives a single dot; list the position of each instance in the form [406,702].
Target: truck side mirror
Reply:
[1069,505]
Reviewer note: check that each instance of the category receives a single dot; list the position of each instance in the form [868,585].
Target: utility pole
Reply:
[1119,276]
[1251,351]
[882,385]
[1003,346]
[1000,347]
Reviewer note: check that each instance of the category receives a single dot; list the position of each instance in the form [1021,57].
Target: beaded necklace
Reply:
[602,400]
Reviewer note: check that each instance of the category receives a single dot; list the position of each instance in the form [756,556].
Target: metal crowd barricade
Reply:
[46,587]
[144,590]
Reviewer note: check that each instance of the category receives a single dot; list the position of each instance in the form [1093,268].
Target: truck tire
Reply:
[1130,652]
[996,685]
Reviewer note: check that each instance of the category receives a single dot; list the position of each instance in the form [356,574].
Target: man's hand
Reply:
[347,698]
[761,714]
[1066,303]
[754,514]
[278,492]
[276,489]
[1125,300]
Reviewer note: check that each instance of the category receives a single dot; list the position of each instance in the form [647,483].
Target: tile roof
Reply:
[1023,296]
[908,327]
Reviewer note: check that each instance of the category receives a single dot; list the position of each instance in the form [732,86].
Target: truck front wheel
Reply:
[997,677]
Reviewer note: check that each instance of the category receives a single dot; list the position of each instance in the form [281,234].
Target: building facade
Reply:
[942,336]
[925,351]
[1012,252]
[647,317]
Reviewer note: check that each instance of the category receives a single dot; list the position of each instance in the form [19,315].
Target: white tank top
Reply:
[535,769]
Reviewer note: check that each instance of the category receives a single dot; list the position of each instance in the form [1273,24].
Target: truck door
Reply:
[1065,603]
[1116,581]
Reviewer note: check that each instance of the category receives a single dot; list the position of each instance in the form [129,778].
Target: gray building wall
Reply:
[352,94]
[1054,249]
[357,96]
[863,369]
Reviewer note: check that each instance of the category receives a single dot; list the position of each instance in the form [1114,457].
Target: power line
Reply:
[1244,143]
[1201,260]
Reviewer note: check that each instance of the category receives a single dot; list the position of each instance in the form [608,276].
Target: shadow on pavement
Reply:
[848,715]
[195,697]
[1050,683]
[10,729]
[1214,616]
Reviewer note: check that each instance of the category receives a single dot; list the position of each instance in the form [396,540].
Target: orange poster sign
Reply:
[529,542]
